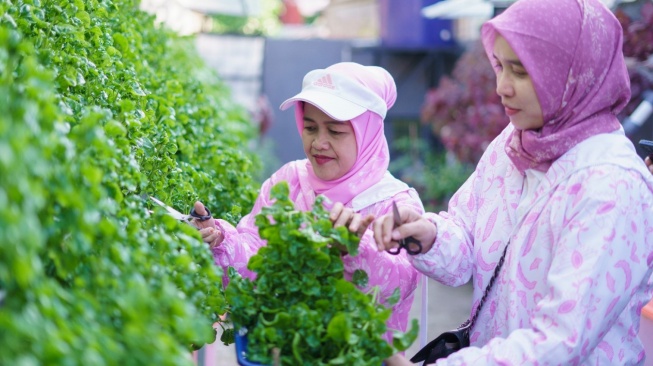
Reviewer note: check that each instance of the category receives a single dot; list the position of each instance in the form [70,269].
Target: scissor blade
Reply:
[395,214]
[171,211]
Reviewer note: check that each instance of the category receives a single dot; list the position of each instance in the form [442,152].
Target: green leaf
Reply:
[84,17]
[340,328]
[395,297]
[402,341]
[114,129]
[360,278]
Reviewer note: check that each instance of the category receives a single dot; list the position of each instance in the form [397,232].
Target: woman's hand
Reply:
[343,216]
[649,163]
[355,223]
[211,234]
[387,236]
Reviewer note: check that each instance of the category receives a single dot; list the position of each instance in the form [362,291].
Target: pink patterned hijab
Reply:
[572,50]
[372,148]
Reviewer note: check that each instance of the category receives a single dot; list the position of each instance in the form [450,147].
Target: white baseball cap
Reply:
[337,95]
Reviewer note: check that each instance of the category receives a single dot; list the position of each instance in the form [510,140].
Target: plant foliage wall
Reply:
[98,109]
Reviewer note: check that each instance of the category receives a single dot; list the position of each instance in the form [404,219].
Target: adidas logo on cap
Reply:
[325,82]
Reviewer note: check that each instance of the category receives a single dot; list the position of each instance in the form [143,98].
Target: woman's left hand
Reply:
[355,222]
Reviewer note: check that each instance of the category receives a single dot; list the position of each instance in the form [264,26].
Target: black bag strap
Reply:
[450,342]
[472,320]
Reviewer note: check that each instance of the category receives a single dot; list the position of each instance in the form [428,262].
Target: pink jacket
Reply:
[384,270]
[578,269]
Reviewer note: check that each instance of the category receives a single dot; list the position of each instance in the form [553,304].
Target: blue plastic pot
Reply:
[241,350]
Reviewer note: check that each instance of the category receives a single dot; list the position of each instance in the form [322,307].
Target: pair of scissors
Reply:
[412,245]
[180,216]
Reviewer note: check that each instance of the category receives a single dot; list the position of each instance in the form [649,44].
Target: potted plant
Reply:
[300,308]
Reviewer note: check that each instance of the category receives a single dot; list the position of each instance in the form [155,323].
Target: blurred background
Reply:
[446,112]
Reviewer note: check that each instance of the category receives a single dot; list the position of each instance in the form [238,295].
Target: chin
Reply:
[525,126]
[326,176]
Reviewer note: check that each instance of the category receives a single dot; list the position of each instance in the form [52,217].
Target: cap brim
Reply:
[334,106]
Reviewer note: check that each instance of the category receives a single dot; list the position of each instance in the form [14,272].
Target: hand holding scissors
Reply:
[412,245]
[200,218]
[404,228]
[180,216]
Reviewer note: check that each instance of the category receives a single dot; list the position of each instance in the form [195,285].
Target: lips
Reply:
[510,111]
[321,159]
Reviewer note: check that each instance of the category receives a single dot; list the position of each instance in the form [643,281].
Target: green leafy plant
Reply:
[300,302]
[99,107]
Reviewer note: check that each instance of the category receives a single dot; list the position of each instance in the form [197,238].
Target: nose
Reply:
[320,142]
[504,85]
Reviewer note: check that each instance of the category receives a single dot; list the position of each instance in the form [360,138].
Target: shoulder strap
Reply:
[472,320]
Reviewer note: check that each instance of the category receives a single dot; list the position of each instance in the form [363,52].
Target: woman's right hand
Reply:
[649,163]
[387,236]
[211,234]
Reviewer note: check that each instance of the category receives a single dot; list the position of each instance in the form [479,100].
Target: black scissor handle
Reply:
[412,246]
[200,217]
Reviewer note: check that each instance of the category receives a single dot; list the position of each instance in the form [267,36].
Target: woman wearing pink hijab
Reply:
[560,202]
[339,115]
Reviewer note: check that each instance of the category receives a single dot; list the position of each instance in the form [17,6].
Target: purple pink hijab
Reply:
[572,50]
[373,155]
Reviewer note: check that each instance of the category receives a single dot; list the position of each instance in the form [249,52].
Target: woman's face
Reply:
[329,145]
[515,88]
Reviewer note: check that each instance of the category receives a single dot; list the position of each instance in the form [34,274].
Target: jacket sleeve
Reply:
[241,242]
[598,279]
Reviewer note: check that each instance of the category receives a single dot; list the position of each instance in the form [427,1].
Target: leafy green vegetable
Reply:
[300,302]
[99,106]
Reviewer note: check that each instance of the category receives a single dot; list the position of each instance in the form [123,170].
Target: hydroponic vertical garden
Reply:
[100,108]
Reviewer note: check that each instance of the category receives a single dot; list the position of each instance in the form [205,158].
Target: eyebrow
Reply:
[511,62]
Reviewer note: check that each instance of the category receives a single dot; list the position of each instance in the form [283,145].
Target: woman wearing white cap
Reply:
[339,115]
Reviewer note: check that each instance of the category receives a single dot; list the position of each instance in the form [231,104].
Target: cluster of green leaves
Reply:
[300,302]
[98,107]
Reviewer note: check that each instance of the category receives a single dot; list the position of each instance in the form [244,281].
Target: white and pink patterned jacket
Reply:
[384,270]
[578,269]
